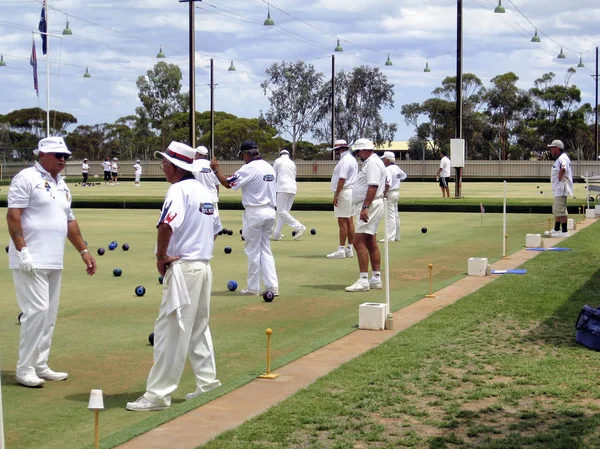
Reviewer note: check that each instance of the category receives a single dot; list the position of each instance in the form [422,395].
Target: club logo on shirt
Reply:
[166,216]
[233,181]
[268,178]
[207,208]
[205,170]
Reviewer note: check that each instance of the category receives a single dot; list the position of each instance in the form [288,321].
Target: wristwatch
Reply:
[365,207]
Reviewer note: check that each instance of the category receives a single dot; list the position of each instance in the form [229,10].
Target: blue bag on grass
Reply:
[588,328]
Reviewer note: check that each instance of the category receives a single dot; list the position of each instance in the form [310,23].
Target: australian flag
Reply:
[43,27]
[33,63]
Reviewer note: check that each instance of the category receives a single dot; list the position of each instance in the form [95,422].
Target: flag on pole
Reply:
[43,27]
[33,63]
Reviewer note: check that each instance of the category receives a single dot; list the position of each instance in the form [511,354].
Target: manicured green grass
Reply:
[499,369]
[102,329]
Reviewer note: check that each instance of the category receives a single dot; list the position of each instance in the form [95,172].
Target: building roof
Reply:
[396,145]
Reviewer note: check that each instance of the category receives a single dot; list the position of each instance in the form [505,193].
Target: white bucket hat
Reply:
[178,154]
[51,145]
[363,144]
[340,144]
[389,156]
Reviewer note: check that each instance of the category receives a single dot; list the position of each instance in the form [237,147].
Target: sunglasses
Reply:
[62,155]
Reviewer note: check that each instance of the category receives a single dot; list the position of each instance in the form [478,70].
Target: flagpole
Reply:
[47,74]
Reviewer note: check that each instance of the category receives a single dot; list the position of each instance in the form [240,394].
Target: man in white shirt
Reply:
[106,166]
[342,181]
[394,176]
[114,171]
[85,169]
[39,220]
[186,231]
[561,177]
[443,174]
[367,200]
[285,171]
[205,175]
[257,180]
[137,173]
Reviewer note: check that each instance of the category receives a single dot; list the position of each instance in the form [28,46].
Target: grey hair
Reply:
[253,152]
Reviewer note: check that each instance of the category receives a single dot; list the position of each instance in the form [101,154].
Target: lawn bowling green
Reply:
[101,337]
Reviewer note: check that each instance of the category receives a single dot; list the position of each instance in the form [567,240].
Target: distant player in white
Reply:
[114,171]
[342,181]
[394,176]
[85,170]
[257,180]
[561,177]
[367,200]
[106,166]
[205,175]
[443,174]
[285,171]
[39,219]
[186,231]
[138,173]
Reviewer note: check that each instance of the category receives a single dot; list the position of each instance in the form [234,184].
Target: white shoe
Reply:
[299,232]
[53,375]
[349,253]
[273,238]
[247,291]
[375,283]
[362,285]
[554,233]
[274,290]
[337,255]
[203,389]
[383,240]
[30,380]
[144,405]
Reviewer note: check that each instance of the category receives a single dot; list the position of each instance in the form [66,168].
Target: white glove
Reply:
[26,261]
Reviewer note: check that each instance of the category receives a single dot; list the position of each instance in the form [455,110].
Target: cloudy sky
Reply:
[119,40]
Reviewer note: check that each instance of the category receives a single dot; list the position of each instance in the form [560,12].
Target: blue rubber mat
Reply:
[509,271]
[548,249]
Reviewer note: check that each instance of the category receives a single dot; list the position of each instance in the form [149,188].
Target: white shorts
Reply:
[344,207]
[376,212]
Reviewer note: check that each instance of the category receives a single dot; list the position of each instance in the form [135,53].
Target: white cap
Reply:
[557,144]
[52,145]
[137,161]
[389,156]
[202,150]
[282,152]
[115,159]
[363,144]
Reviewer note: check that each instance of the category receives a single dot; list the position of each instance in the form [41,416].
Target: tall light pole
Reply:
[596,108]
[459,96]
[332,105]
[192,68]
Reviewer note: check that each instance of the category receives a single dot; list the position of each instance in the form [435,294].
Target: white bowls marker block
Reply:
[533,241]
[477,266]
[590,213]
[371,316]
[571,224]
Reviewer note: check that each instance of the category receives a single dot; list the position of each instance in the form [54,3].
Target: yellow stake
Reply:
[430,295]
[549,225]
[268,374]
[583,212]
[506,245]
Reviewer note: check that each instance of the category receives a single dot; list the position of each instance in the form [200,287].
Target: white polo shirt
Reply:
[106,165]
[138,169]
[114,167]
[257,181]
[206,177]
[46,209]
[85,167]
[285,169]
[564,187]
[371,174]
[393,176]
[445,166]
[346,168]
[189,211]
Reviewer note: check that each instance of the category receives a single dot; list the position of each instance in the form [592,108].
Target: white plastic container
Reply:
[571,224]
[371,316]
[477,266]
[533,241]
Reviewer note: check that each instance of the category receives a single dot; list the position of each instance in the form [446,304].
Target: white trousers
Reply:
[393,228]
[257,227]
[285,202]
[38,296]
[172,344]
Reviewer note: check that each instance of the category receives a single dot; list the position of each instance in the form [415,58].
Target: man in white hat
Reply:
[561,177]
[85,170]
[367,203]
[205,175]
[186,231]
[394,176]
[285,171]
[114,171]
[137,167]
[39,220]
[256,179]
[342,181]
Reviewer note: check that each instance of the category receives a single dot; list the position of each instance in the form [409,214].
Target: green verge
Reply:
[498,369]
